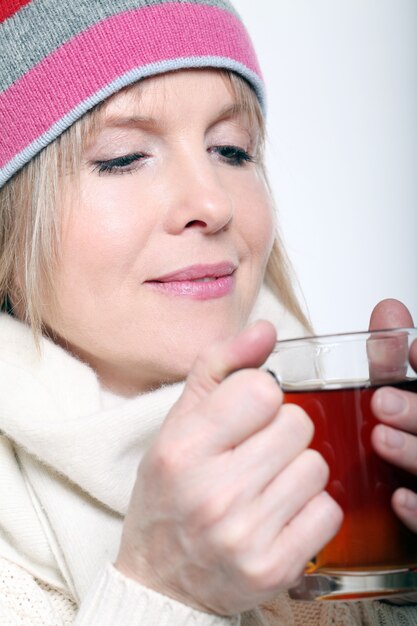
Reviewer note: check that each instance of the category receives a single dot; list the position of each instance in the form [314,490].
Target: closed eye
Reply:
[119,165]
[233,155]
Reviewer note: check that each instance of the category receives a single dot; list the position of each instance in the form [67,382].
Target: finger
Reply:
[254,526]
[387,357]
[264,455]
[388,354]
[390,313]
[302,538]
[250,348]
[245,403]
[292,489]
[395,446]
[396,408]
[404,503]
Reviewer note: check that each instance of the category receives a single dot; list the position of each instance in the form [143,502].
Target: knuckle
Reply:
[208,512]
[261,576]
[233,539]
[253,573]
[168,460]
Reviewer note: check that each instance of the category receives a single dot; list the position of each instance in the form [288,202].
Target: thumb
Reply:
[390,313]
[388,354]
[250,348]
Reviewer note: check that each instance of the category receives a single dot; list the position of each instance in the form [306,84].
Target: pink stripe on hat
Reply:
[180,32]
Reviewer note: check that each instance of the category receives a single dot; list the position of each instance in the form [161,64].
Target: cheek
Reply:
[88,259]
[258,221]
[103,231]
[107,216]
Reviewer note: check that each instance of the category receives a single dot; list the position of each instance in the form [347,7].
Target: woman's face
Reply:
[165,249]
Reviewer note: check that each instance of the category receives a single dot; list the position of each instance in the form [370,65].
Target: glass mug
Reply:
[333,379]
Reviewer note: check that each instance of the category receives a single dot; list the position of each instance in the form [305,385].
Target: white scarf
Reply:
[67,463]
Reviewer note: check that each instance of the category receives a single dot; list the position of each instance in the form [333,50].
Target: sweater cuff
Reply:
[116,599]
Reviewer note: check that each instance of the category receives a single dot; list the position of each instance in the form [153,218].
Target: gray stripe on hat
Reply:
[41,26]
[122,81]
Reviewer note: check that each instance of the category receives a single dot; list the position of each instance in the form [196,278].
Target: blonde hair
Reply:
[30,226]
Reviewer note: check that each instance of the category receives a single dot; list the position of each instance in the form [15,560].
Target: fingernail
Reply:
[392,438]
[391,402]
[408,500]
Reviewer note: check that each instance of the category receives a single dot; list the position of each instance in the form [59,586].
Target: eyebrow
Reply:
[135,121]
[129,121]
[230,110]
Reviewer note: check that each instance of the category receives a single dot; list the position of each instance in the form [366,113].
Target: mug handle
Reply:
[322,586]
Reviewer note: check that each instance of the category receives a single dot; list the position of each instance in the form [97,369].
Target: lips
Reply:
[198,272]
[199,282]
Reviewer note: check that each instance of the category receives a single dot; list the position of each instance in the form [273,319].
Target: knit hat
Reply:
[59,58]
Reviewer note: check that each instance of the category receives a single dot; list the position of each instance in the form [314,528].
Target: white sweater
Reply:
[68,460]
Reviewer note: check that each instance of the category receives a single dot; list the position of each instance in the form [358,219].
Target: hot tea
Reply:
[372,538]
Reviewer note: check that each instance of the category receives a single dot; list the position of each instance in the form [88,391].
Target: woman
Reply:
[137,230]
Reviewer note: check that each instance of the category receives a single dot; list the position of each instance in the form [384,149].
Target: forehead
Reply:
[183,94]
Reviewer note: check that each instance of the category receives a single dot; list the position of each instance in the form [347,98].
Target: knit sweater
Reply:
[68,459]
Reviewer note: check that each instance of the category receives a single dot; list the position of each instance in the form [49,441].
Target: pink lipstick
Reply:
[199,282]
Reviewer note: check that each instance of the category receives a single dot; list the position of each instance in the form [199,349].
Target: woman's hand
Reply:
[395,439]
[229,504]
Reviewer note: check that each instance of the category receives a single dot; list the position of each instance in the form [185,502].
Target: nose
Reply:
[196,196]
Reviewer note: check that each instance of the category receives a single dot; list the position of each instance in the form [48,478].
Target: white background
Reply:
[341,79]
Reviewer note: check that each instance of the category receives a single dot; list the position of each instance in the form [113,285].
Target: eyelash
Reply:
[233,155]
[118,165]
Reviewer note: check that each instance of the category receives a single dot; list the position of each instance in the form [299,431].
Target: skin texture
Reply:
[181,202]
[237,504]
[229,504]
